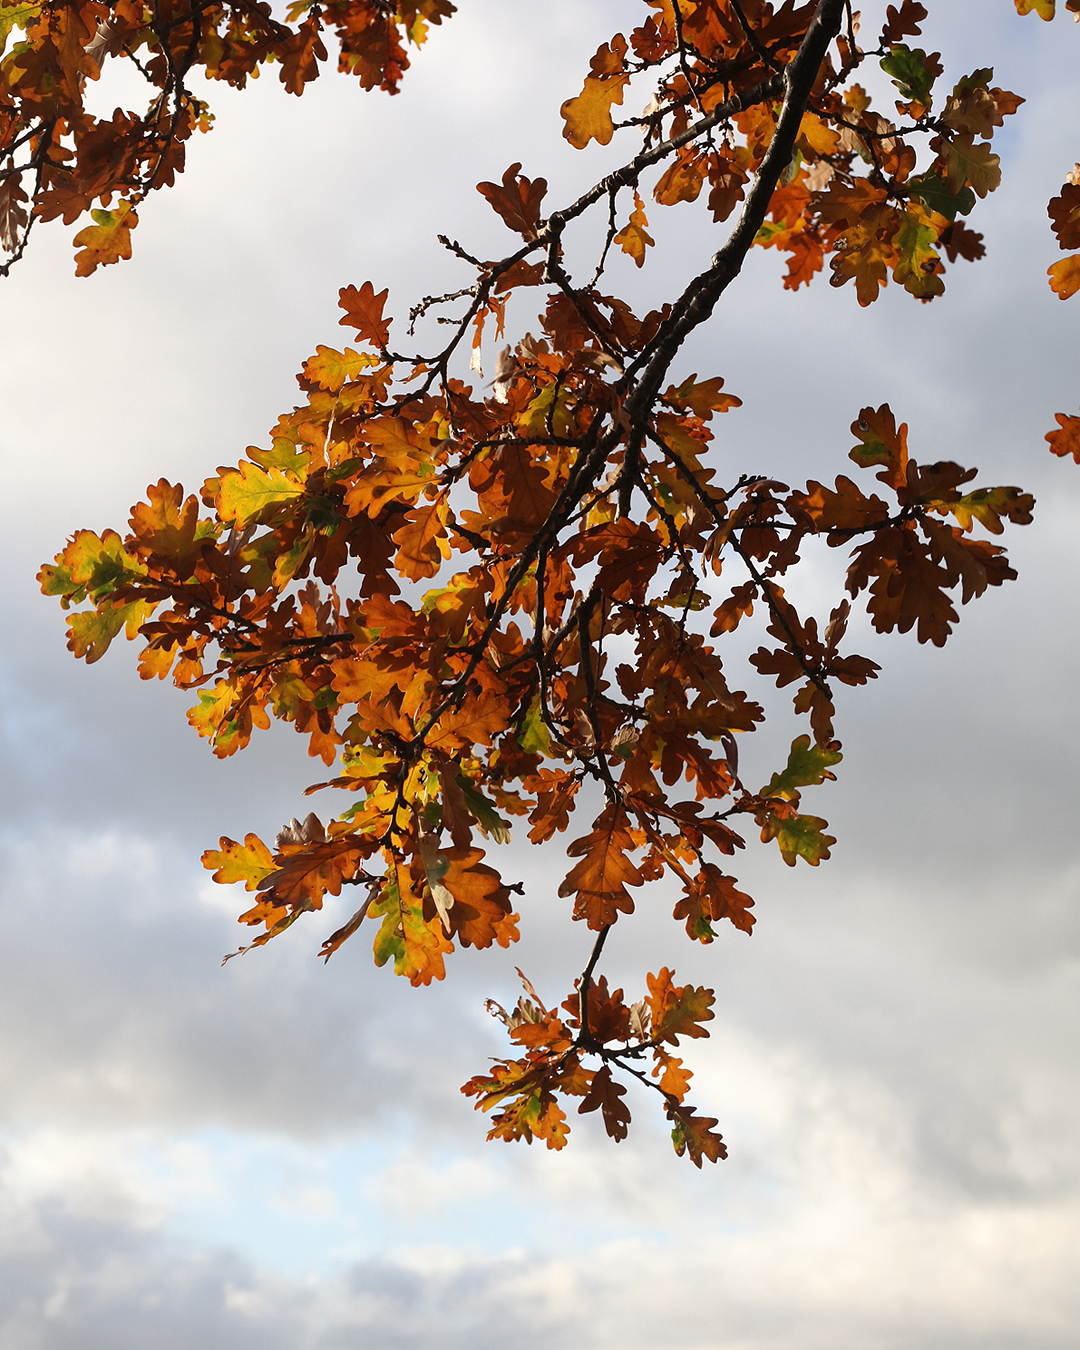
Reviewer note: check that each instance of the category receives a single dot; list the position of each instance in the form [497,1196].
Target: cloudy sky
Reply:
[275,1154]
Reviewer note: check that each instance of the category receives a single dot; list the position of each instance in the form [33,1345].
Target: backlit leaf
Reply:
[251,491]
[249,862]
[798,837]
[107,240]
[598,883]
[1066,439]
[517,200]
[808,765]
[588,117]
[364,312]
[331,369]
[634,238]
[1065,276]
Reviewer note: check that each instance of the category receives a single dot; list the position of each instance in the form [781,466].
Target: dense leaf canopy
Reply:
[484,603]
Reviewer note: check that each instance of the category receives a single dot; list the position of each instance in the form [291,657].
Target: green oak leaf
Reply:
[933,191]
[910,72]
[807,766]
[798,837]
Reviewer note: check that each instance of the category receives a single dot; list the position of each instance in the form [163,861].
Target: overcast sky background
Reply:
[275,1154]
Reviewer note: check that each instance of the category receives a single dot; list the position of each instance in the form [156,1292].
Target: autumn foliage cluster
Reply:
[483,603]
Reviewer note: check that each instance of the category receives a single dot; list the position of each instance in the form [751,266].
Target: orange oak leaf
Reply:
[364,312]
[598,883]
[1065,276]
[711,896]
[608,1016]
[475,722]
[881,442]
[588,116]
[694,1134]
[1066,439]
[422,541]
[482,912]
[517,200]
[634,238]
[674,1079]
[677,1010]
[555,792]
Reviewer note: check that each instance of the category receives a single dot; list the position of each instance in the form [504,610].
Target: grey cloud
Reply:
[101,1285]
[90,1285]
[114,1007]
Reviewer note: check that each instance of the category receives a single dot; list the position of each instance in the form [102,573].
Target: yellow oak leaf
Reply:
[106,241]
[247,493]
[633,238]
[588,117]
[248,862]
[1065,276]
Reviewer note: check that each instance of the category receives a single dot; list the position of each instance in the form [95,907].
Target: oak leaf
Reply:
[91,632]
[702,397]
[971,164]
[881,442]
[249,862]
[249,492]
[422,541]
[364,312]
[475,722]
[912,71]
[808,765]
[330,369]
[598,883]
[1066,439]
[712,896]
[960,242]
[481,913]
[634,238]
[1065,276]
[107,240]
[694,1134]
[167,524]
[517,200]
[1064,212]
[677,1010]
[630,554]
[845,510]
[682,180]
[555,791]
[608,1016]
[533,735]
[14,216]
[674,1079]
[902,22]
[416,945]
[798,836]
[606,1095]
[588,117]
